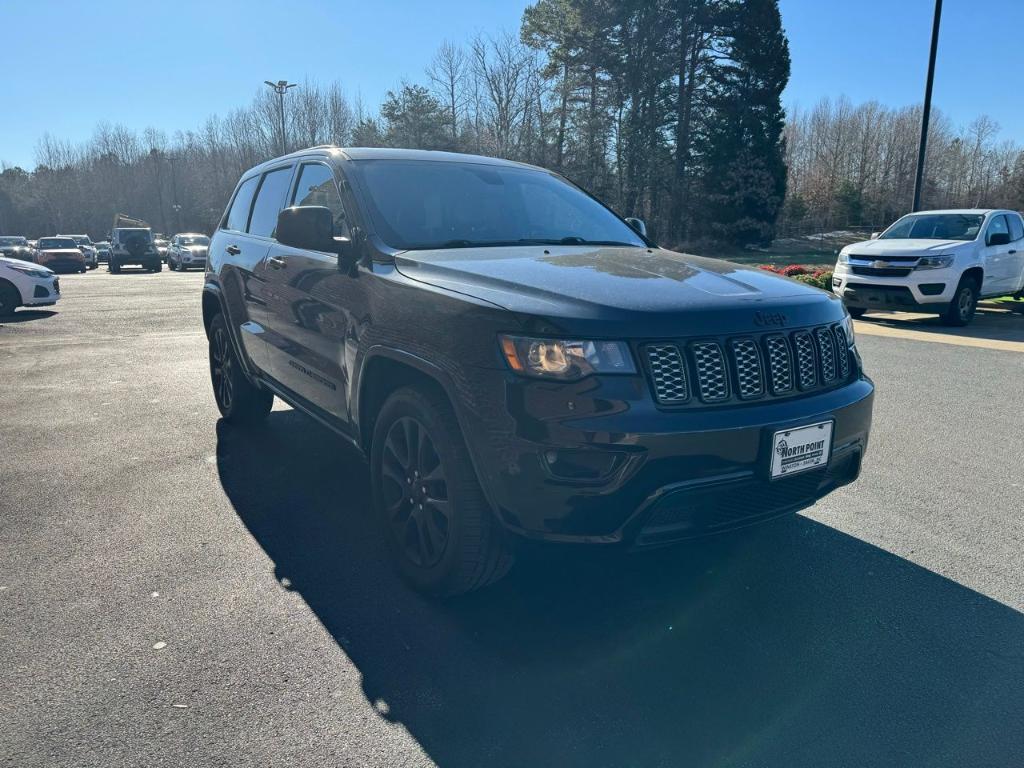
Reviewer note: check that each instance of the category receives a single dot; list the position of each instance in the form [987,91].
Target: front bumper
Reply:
[45,292]
[929,290]
[611,468]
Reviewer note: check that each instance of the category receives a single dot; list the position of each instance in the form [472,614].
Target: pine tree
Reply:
[745,170]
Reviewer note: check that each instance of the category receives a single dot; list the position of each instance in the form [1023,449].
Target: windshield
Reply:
[13,241]
[196,240]
[81,239]
[935,226]
[160,242]
[125,235]
[416,204]
[54,243]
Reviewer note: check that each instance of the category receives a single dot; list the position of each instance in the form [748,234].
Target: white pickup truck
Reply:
[935,261]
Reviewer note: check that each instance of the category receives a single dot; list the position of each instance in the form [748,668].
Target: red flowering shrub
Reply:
[793,270]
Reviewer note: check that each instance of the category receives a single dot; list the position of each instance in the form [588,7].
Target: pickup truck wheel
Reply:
[114,267]
[159,267]
[10,298]
[238,399]
[856,312]
[962,307]
[438,525]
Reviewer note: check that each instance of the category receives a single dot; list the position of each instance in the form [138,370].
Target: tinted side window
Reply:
[269,202]
[997,225]
[1016,227]
[316,187]
[239,213]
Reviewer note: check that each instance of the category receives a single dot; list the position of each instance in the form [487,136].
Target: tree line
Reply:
[667,109]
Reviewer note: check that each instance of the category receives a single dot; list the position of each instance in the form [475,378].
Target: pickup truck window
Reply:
[1016,227]
[935,226]
[418,205]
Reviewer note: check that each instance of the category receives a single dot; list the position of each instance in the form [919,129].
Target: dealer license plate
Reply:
[801,449]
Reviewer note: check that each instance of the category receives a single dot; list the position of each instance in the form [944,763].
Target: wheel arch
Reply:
[975,273]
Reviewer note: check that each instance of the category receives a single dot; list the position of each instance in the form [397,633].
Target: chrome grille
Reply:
[807,373]
[749,379]
[668,373]
[712,378]
[826,353]
[780,364]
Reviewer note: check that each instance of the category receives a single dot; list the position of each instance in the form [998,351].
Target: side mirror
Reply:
[311,228]
[874,235]
[998,238]
[638,225]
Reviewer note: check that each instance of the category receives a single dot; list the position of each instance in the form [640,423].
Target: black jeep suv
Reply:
[515,360]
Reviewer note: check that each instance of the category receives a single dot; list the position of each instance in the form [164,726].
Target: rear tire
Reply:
[159,267]
[239,401]
[10,299]
[964,304]
[441,531]
[856,312]
[114,267]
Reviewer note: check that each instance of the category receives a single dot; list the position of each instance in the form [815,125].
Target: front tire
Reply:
[114,267]
[239,401]
[10,299]
[442,534]
[964,304]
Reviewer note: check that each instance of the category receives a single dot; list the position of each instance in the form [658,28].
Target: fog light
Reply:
[581,465]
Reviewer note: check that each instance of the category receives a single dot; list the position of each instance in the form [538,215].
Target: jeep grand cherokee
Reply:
[515,360]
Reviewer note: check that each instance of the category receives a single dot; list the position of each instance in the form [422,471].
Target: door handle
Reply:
[277,262]
[1012,252]
[234,250]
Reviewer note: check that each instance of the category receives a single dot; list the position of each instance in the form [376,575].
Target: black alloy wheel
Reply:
[415,492]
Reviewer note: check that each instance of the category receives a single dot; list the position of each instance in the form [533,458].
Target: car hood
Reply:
[610,291]
[22,263]
[905,247]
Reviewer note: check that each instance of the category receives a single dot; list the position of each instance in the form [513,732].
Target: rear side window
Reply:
[1016,227]
[238,216]
[269,202]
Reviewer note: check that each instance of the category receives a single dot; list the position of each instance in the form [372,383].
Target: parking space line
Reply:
[873,329]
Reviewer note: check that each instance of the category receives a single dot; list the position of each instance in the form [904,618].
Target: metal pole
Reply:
[926,114]
[280,116]
[280,88]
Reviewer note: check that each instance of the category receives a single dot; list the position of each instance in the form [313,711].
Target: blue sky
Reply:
[72,63]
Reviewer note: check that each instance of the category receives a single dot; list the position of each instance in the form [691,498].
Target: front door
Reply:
[996,257]
[309,304]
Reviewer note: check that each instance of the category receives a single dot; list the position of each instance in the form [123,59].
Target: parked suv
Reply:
[87,248]
[133,245]
[515,360]
[187,250]
[935,261]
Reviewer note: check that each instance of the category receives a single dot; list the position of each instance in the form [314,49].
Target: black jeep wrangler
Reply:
[133,246]
[515,360]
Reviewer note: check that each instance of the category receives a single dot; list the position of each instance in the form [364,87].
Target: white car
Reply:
[24,284]
[187,250]
[940,262]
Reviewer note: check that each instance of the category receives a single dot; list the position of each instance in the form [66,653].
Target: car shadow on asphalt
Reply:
[27,316]
[787,644]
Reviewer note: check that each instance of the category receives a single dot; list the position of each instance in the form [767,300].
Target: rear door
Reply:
[1016,252]
[996,258]
[310,303]
[238,258]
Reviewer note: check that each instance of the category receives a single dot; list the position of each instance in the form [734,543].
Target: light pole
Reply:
[281,88]
[926,114]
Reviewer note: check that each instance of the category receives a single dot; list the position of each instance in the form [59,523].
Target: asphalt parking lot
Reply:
[175,593]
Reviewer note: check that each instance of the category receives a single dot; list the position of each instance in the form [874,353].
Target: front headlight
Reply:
[934,262]
[844,258]
[565,359]
[30,271]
